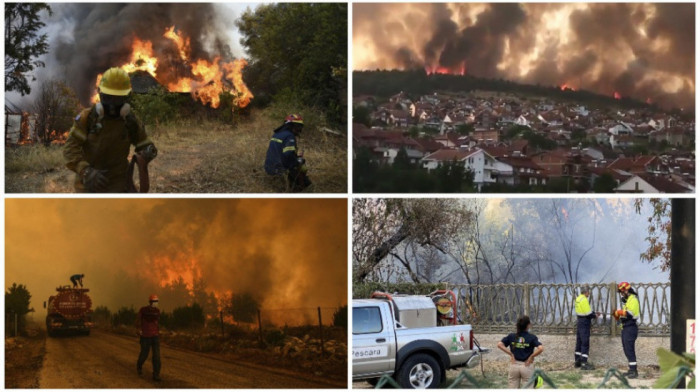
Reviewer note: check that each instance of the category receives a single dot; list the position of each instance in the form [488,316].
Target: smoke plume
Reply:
[639,50]
[289,254]
[87,39]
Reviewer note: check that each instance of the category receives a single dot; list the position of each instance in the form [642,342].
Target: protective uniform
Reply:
[101,137]
[583,329]
[282,154]
[630,330]
[148,319]
[282,151]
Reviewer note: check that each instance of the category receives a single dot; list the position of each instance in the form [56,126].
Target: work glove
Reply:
[619,313]
[149,152]
[94,180]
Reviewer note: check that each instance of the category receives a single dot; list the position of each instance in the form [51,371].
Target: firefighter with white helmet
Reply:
[147,324]
[101,137]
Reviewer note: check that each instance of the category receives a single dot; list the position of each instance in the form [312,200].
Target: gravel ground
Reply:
[558,362]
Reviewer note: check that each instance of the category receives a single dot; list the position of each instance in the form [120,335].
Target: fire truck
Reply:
[69,310]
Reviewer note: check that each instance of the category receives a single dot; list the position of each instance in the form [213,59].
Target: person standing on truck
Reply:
[628,316]
[77,278]
[524,347]
[147,324]
[584,315]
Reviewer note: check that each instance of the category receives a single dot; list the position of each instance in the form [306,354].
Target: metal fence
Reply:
[496,308]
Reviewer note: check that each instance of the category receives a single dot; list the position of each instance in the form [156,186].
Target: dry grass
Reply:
[203,157]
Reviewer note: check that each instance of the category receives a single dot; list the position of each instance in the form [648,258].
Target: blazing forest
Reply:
[209,82]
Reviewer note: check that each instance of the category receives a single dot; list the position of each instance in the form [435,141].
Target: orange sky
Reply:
[291,253]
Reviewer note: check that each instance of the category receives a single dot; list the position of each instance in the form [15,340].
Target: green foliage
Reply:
[538,141]
[674,368]
[465,129]
[340,317]
[101,316]
[405,177]
[17,299]
[187,317]
[274,337]
[604,184]
[23,45]
[301,47]
[159,106]
[243,307]
[361,115]
[659,232]
[124,316]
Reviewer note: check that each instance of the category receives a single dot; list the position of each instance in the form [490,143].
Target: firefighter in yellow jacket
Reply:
[101,137]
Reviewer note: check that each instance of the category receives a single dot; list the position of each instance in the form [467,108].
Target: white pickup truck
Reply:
[399,336]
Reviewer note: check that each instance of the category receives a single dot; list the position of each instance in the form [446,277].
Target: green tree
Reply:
[402,161]
[55,106]
[465,129]
[23,45]
[102,316]
[243,307]
[124,316]
[301,47]
[185,317]
[340,317]
[17,299]
[361,115]
[604,184]
[658,232]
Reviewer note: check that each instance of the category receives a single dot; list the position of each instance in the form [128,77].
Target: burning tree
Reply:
[55,107]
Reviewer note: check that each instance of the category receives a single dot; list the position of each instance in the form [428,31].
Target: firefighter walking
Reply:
[147,324]
[628,316]
[584,315]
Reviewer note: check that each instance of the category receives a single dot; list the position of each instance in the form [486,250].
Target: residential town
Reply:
[510,143]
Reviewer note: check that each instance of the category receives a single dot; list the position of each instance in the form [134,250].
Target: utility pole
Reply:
[682,271]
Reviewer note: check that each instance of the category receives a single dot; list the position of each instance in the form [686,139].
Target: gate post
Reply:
[613,307]
[526,303]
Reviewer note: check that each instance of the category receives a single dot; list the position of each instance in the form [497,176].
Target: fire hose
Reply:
[140,161]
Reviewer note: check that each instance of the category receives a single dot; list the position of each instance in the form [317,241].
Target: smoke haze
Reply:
[641,50]
[86,39]
[288,253]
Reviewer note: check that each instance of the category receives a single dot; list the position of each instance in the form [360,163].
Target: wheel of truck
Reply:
[419,371]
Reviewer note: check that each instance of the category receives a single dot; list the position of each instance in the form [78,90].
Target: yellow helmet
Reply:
[115,81]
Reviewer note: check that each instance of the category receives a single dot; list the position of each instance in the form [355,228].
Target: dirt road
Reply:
[104,360]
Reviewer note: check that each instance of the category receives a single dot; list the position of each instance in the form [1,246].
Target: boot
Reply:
[632,373]
[587,366]
[156,378]
[577,364]
[139,370]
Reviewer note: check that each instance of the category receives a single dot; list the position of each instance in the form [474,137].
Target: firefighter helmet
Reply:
[153,298]
[623,286]
[294,118]
[115,81]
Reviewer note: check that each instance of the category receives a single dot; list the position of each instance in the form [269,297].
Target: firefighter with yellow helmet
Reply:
[628,316]
[283,155]
[101,137]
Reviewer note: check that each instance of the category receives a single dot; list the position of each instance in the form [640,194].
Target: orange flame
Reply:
[441,70]
[617,95]
[209,79]
[566,86]
[183,43]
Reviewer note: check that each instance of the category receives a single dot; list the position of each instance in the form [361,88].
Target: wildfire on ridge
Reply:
[441,70]
[566,86]
[208,81]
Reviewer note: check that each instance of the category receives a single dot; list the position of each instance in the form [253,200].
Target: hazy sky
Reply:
[642,50]
[291,253]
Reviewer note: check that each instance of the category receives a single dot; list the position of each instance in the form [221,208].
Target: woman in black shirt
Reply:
[524,347]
